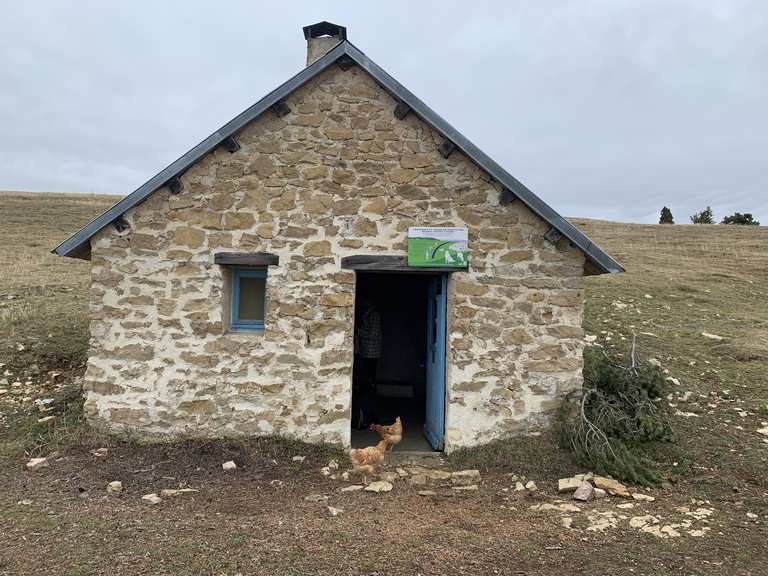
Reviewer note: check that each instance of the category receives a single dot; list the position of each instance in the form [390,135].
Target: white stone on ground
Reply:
[168,492]
[115,487]
[379,486]
[600,493]
[531,486]
[334,511]
[229,465]
[569,484]
[352,488]
[316,498]
[298,458]
[152,499]
[712,336]
[640,521]
[37,463]
[642,497]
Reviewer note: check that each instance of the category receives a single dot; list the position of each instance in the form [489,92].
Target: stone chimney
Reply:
[321,38]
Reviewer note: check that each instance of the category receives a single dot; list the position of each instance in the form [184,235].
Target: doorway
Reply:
[399,366]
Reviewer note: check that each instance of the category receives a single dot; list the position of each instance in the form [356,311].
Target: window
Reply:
[249,298]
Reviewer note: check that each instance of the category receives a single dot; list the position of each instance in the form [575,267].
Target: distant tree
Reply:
[703,217]
[739,218]
[666,216]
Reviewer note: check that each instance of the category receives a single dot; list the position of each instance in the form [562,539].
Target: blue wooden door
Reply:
[434,425]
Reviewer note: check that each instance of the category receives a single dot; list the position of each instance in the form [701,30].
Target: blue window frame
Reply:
[249,298]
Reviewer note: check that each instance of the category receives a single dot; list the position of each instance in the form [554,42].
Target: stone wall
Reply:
[337,176]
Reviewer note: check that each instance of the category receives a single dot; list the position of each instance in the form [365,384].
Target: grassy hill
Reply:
[682,283]
[43,297]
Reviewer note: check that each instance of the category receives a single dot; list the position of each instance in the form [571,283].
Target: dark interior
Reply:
[399,387]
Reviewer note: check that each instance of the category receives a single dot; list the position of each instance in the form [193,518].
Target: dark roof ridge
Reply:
[75,245]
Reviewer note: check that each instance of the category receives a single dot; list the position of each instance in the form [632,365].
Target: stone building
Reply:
[224,291]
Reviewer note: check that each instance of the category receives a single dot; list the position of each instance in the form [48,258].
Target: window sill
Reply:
[240,330]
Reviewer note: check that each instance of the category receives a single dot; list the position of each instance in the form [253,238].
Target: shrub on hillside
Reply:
[666,216]
[619,412]
[739,218]
[703,217]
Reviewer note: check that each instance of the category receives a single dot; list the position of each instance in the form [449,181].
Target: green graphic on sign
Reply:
[438,247]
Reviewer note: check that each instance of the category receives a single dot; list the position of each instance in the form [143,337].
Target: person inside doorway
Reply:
[368,344]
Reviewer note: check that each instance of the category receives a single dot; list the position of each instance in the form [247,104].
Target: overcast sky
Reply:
[604,108]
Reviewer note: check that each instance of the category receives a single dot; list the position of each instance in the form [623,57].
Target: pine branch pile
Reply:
[620,411]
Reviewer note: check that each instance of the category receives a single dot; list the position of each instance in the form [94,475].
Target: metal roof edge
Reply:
[536,204]
[70,246]
[73,246]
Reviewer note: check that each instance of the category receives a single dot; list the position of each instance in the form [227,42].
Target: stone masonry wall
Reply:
[339,175]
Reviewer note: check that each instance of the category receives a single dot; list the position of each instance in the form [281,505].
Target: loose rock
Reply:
[334,511]
[316,498]
[569,484]
[168,492]
[531,486]
[712,336]
[353,488]
[115,487]
[584,493]
[642,497]
[640,521]
[613,487]
[468,488]
[379,486]
[298,458]
[37,463]
[230,465]
[465,477]
[152,499]
[389,476]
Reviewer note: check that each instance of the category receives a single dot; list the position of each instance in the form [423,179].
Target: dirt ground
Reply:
[681,282]
[254,520]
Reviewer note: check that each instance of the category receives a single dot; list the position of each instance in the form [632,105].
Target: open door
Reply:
[434,425]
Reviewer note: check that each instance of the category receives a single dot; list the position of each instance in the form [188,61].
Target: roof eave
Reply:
[77,245]
[70,247]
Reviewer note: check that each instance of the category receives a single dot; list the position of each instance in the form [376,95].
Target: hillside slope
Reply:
[693,296]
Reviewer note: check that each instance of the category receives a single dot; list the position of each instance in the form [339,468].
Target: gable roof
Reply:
[78,246]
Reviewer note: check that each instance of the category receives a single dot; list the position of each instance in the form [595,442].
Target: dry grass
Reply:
[43,297]
[699,279]
[33,224]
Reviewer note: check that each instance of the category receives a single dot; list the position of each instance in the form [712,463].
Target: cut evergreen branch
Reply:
[620,412]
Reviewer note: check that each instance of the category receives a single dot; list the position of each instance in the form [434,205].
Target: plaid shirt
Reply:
[369,334]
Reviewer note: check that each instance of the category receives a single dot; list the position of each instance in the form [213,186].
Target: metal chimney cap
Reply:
[325,28]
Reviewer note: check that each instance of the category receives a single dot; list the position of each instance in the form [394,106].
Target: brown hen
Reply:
[365,460]
[391,434]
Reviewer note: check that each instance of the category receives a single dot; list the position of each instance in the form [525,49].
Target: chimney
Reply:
[321,38]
